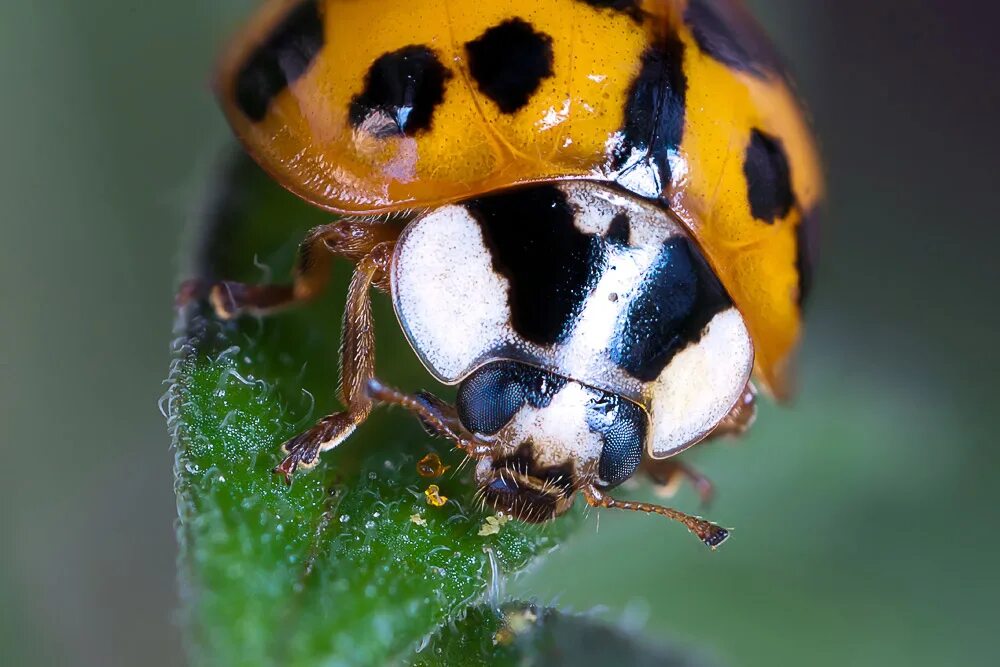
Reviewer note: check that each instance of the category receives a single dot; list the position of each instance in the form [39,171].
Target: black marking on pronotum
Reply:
[622,427]
[279,60]
[654,113]
[550,265]
[619,230]
[769,179]
[807,252]
[676,302]
[509,61]
[402,89]
[727,32]
[490,397]
[630,8]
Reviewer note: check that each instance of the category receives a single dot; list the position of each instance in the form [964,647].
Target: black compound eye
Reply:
[622,425]
[489,398]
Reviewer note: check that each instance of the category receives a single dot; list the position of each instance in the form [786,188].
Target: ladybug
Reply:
[595,217]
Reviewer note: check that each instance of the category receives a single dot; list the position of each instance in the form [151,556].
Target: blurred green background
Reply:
[865,514]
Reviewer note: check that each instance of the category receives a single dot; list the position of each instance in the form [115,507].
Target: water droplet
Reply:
[344,518]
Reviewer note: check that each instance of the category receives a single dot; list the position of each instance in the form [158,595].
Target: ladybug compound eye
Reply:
[489,398]
[622,425]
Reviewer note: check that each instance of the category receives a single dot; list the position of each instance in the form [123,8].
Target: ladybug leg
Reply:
[741,417]
[357,354]
[352,239]
[668,474]
[437,417]
[709,533]
[445,412]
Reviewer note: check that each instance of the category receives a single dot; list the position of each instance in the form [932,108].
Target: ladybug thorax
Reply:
[587,284]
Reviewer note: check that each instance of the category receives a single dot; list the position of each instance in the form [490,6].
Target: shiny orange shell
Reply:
[377,106]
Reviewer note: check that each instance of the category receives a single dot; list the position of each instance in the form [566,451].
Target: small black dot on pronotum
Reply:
[509,61]
[402,90]
[769,181]
[279,60]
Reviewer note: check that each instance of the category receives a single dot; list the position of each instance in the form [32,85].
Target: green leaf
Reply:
[349,565]
[524,635]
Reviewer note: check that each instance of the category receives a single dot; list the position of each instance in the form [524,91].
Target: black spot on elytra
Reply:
[654,113]
[490,397]
[630,8]
[550,265]
[619,230]
[279,60]
[727,32]
[402,89]
[807,252]
[678,299]
[622,427]
[509,61]
[769,179]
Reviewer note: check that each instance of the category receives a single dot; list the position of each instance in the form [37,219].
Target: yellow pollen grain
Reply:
[434,497]
[493,524]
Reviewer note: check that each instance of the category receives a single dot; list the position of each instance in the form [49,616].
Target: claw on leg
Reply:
[303,450]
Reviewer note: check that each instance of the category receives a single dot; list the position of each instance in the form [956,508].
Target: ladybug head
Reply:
[556,435]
